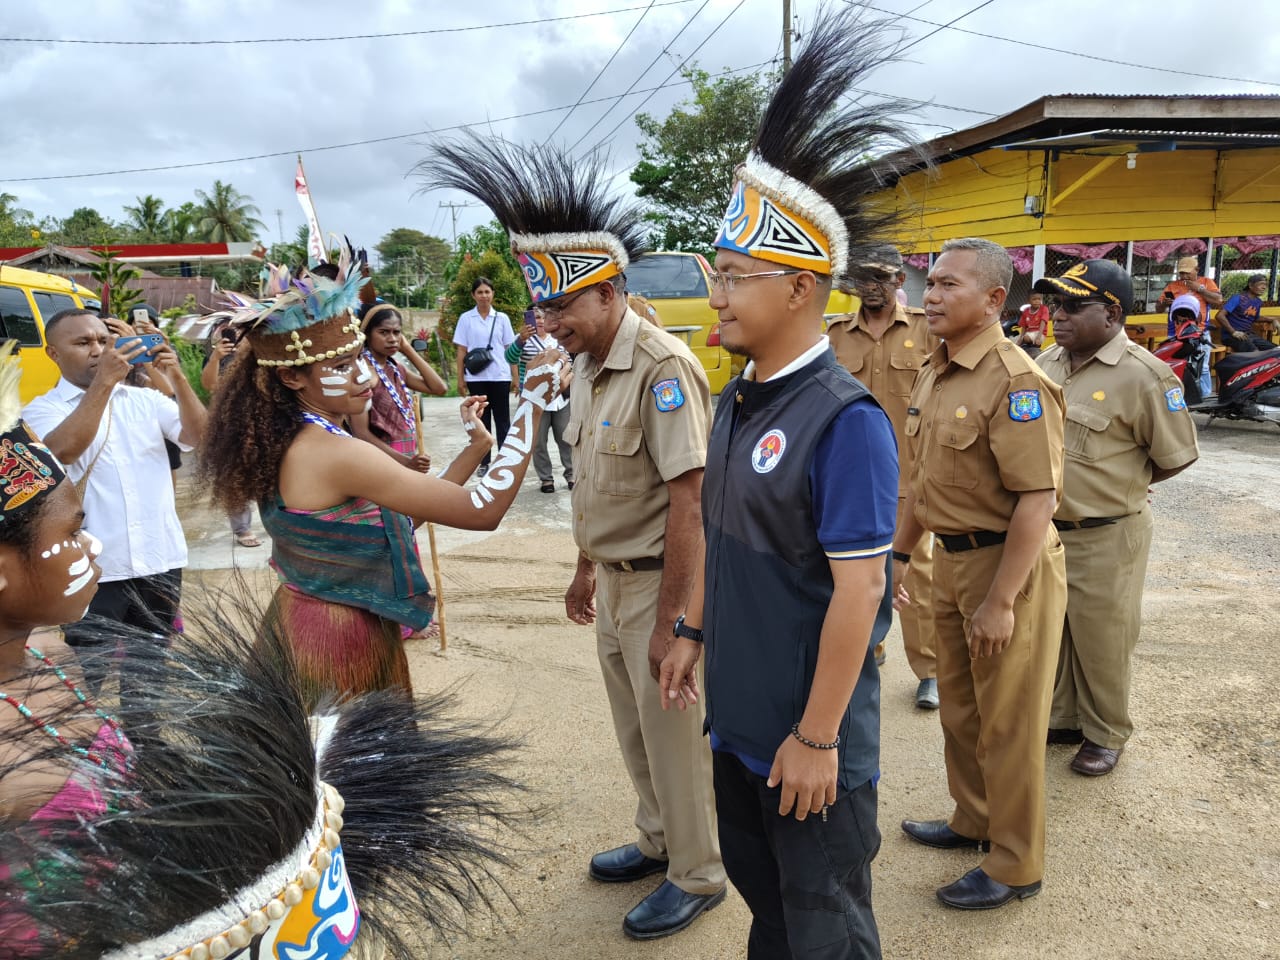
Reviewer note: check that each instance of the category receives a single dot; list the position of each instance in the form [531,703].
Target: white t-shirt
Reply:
[128,502]
[473,331]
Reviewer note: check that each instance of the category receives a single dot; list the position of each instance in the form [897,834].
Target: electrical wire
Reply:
[924,103]
[943,26]
[682,29]
[354,36]
[1070,53]
[601,71]
[678,68]
[352,143]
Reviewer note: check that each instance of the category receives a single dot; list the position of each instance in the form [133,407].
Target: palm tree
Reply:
[147,219]
[226,215]
[180,223]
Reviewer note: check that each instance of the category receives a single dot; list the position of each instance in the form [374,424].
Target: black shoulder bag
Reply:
[474,361]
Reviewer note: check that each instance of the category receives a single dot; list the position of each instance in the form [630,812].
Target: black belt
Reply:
[1086,523]
[960,542]
[643,565]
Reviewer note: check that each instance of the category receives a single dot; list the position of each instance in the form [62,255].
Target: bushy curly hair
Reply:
[252,420]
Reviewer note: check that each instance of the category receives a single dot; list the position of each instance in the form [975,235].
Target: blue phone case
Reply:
[152,340]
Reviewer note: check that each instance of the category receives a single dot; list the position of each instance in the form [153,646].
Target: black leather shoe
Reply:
[666,911]
[976,891]
[936,833]
[624,864]
[1064,735]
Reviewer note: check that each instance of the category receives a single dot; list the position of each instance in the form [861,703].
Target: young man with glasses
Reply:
[1127,428]
[884,345]
[798,508]
[985,435]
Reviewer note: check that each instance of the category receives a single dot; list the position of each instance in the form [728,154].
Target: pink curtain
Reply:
[918,260]
[1088,251]
[1023,258]
[1247,245]
[1160,249]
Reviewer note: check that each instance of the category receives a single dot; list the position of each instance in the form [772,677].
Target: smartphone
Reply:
[530,320]
[150,340]
[140,316]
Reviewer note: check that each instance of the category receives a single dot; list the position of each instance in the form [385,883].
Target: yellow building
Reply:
[1139,179]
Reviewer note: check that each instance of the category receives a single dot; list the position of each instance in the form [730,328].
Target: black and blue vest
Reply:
[768,579]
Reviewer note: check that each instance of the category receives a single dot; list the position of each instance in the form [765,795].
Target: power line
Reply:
[354,36]
[641,76]
[924,103]
[601,72]
[1070,53]
[943,26]
[352,143]
[679,67]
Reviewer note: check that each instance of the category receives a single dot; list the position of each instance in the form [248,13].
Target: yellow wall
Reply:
[1168,196]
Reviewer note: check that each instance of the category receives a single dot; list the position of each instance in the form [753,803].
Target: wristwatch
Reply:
[681,629]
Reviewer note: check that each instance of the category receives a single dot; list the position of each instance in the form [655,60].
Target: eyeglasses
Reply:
[1073,306]
[725,281]
[554,309]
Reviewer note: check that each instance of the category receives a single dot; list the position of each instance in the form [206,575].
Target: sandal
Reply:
[548,487]
[248,540]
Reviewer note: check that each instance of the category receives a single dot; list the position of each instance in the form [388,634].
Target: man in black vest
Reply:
[798,504]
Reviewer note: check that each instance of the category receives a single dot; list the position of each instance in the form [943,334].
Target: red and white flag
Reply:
[315,239]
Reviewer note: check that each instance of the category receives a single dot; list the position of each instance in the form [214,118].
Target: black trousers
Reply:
[1249,344]
[497,416]
[808,883]
[149,604]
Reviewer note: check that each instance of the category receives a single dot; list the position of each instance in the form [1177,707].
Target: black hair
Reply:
[812,131]
[18,528]
[535,189]
[479,282]
[386,312]
[327,270]
[61,315]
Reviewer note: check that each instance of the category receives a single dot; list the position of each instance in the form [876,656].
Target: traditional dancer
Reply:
[337,508]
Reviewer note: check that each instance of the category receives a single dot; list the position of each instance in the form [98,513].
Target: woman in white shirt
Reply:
[477,329]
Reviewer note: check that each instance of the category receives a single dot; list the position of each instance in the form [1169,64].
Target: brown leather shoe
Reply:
[1064,735]
[1095,761]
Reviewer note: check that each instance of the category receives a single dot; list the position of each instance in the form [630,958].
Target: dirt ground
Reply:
[1173,855]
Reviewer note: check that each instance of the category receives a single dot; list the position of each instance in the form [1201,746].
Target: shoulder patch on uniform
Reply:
[1174,400]
[1024,405]
[767,453]
[668,395]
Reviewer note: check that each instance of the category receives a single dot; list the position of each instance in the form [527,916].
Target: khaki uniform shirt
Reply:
[1125,413]
[888,366]
[636,420]
[983,426]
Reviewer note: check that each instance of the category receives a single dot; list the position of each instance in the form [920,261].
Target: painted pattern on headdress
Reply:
[757,226]
[552,275]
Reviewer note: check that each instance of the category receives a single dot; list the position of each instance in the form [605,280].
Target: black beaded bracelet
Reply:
[795,732]
[901,557]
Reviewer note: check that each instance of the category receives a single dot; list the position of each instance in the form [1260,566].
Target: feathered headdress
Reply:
[238,826]
[27,468]
[305,318]
[801,199]
[567,231]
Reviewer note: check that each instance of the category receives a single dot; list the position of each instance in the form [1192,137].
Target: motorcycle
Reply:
[1248,383]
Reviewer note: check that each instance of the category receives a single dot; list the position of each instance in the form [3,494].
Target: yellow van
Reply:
[27,300]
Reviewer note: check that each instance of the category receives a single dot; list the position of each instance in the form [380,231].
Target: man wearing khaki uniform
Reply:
[1127,427]
[639,418]
[985,434]
[884,345]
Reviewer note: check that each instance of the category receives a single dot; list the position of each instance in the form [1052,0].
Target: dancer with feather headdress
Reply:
[338,508]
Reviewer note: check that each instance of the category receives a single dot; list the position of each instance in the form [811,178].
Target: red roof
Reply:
[128,251]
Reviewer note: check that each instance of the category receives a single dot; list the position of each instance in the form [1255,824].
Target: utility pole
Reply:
[453,209]
[280,223]
[786,37]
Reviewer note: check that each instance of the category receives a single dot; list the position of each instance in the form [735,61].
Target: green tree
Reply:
[114,276]
[17,226]
[484,252]
[146,219]
[406,245]
[86,227]
[687,160]
[180,223]
[226,215]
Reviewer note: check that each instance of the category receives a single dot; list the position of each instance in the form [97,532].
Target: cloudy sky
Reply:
[90,108]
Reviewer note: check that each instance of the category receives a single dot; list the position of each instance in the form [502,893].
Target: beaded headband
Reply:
[555,264]
[773,216]
[27,467]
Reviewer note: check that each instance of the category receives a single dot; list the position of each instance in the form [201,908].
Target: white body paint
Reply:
[365,374]
[81,573]
[513,453]
[333,385]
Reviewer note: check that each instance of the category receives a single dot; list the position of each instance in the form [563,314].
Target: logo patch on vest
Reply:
[768,451]
[1174,400]
[668,395]
[1024,405]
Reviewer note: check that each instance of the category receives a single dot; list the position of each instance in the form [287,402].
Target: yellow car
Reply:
[27,300]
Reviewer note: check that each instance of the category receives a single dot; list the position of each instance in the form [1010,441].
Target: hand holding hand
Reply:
[546,376]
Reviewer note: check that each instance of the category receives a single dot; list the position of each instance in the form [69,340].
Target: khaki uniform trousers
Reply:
[665,752]
[1106,569]
[917,618]
[995,710]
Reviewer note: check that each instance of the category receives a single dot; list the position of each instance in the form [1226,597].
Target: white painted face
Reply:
[81,553]
[363,374]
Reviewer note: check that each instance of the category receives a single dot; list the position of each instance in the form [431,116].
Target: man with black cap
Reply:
[884,345]
[1127,427]
[1240,313]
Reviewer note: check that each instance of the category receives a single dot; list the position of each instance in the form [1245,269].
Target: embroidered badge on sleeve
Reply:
[1024,405]
[668,395]
[1174,400]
